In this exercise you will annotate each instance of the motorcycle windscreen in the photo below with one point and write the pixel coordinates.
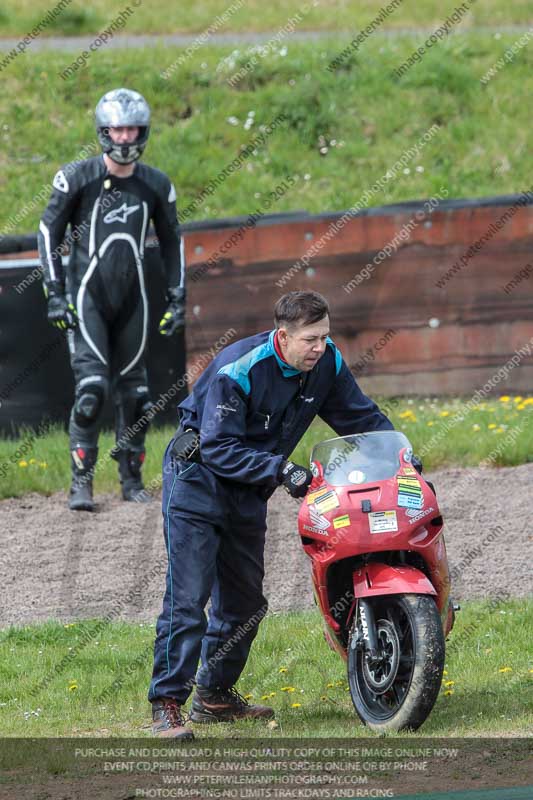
(363, 457)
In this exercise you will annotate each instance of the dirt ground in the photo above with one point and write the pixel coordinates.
(59, 564)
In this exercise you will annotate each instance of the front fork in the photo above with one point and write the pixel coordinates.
(369, 639)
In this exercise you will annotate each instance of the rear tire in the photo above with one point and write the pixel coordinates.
(398, 691)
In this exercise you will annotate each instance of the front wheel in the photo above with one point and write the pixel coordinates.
(397, 690)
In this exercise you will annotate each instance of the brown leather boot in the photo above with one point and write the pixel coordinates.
(224, 705)
(167, 719)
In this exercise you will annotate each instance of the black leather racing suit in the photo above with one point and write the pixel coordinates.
(105, 280)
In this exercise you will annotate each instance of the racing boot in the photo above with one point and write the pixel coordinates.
(129, 466)
(167, 720)
(224, 705)
(83, 461)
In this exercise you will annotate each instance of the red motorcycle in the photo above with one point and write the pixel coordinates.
(373, 530)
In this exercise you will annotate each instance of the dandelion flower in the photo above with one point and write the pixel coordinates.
(491, 426)
(283, 669)
(248, 696)
(504, 398)
(449, 683)
(23, 463)
(72, 686)
(505, 669)
(287, 689)
(296, 705)
(330, 686)
(448, 692)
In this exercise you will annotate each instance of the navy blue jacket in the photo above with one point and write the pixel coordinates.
(252, 409)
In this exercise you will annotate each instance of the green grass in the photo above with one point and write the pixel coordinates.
(19, 16)
(495, 433)
(45, 468)
(368, 118)
(498, 431)
(482, 699)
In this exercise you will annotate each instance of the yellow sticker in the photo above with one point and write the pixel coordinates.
(314, 495)
(341, 522)
(408, 471)
(327, 504)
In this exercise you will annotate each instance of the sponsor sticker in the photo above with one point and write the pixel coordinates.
(327, 502)
(341, 522)
(408, 482)
(382, 521)
(407, 501)
(311, 497)
(409, 492)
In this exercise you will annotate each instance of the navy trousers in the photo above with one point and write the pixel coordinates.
(215, 538)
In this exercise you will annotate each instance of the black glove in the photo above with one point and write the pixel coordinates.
(174, 317)
(61, 313)
(417, 463)
(295, 479)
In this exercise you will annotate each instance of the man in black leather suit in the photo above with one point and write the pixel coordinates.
(100, 297)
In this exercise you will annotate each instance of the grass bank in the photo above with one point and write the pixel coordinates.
(342, 129)
(20, 16)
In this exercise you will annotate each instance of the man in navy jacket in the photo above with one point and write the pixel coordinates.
(238, 427)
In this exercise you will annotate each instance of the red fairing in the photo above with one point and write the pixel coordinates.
(375, 579)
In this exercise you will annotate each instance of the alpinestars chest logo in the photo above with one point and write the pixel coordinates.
(120, 214)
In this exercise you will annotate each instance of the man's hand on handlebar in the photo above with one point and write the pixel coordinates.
(295, 478)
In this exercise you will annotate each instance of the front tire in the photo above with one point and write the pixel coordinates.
(398, 690)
